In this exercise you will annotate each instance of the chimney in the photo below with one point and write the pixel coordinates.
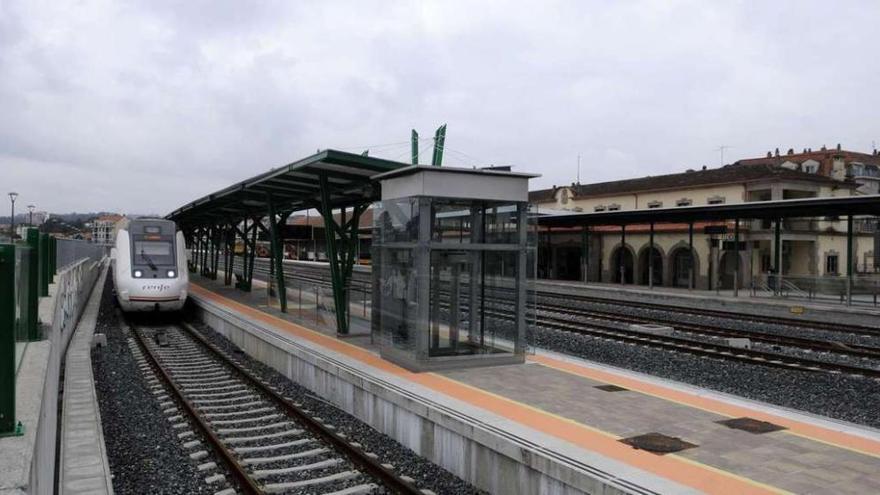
(769, 154)
(838, 146)
(777, 151)
(791, 151)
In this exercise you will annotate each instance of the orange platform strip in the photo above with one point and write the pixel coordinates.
(676, 468)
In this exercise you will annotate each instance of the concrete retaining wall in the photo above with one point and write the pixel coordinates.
(469, 442)
(27, 463)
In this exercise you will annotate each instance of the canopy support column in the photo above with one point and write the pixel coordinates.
(736, 257)
(777, 256)
(585, 253)
(692, 276)
(277, 252)
(849, 259)
(341, 255)
(621, 257)
(228, 253)
(651, 257)
(215, 243)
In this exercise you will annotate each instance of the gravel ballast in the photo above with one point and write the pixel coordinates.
(426, 474)
(143, 449)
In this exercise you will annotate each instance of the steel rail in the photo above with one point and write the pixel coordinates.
(247, 484)
(856, 350)
(361, 459)
(700, 348)
(775, 320)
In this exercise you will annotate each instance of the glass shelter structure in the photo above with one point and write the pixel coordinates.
(452, 262)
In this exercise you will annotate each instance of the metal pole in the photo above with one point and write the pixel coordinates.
(44, 265)
(12, 197)
(7, 339)
(53, 254)
(849, 261)
(736, 257)
(33, 298)
(651, 257)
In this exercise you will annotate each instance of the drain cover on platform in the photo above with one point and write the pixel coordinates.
(611, 388)
(658, 443)
(750, 425)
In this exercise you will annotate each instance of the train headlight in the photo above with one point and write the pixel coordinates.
(171, 274)
(138, 274)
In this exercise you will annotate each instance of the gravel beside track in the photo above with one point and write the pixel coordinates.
(426, 474)
(144, 452)
(744, 323)
(849, 398)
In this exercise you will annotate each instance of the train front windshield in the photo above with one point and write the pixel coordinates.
(153, 252)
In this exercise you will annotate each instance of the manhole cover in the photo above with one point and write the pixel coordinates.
(658, 443)
(611, 388)
(751, 425)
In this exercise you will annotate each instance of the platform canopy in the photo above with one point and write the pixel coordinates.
(326, 181)
(788, 208)
(292, 187)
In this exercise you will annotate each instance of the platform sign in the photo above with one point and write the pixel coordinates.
(796, 310)
(715, 229)
(296, 232)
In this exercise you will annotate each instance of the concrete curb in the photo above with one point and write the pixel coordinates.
(84, 467)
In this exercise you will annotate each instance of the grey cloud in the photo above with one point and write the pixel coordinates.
(174, 100)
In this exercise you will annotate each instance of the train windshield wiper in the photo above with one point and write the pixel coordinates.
(148, 259)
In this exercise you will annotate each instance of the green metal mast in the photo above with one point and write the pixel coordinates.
(439, 142)
(415, 147)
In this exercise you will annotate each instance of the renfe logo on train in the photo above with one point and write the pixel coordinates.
(157, 287)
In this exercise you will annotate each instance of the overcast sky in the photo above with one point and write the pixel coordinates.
(144, 106)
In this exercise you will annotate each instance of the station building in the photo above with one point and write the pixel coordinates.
(813, 249)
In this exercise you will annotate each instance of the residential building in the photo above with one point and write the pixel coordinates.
(104, 228)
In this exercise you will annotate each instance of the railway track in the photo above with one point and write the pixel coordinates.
(699, 348)
(314, 275)
(610, 330)
(267, 443)
(854, 350)
(772, 320)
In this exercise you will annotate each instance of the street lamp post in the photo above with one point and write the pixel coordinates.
(31, 215)
(12, 197)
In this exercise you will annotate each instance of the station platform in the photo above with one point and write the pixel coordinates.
(555, 424)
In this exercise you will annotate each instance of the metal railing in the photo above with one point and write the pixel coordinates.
(863, 288)
(70, 251)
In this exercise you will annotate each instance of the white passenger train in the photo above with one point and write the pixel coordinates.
(149, 266)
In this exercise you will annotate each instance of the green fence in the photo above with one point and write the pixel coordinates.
(26, 269)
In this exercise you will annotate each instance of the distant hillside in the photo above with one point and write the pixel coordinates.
(72, 217)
